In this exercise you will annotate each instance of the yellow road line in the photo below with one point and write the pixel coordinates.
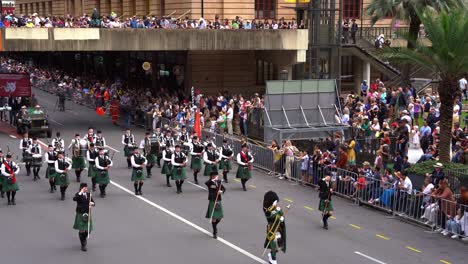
(237, 180)
(332, 217)
(253, 186)
(355, 226)
(445, 262)
(309, 208)
(382, 237)
(289, 200)
(413, 249)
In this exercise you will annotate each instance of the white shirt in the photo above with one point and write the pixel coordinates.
(173, 159)
(239, 159)
(59, 170)
(205, 157)
(463, 83)
(456, 109)
(408, 185)
(5, 172)
(98, 166)
(230, 113)
(132, 160)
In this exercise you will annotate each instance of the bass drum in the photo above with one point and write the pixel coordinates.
(83, 147)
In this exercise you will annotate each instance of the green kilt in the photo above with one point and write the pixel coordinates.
(178, 173)
(151, 158)
(243, 172)
(8, 187)
(167, 168)
(128, 151)
(196, 163)
(138, 176)
(325, 206)
(50, 172)
(61, 179)
(82, 224)
(218, 211)
(275, 243)
(225, 165)
(209, 168)
(92, 171)
(78, 162)
(26, 157)
(102, 177)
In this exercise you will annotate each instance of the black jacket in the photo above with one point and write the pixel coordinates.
(324, 190)
(213, 189)
(82, 203)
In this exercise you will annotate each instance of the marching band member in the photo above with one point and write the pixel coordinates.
(100, 141)
(84, 201)
(325, 205)
(211, 158)
(90, 137)
(2, 159)
(276, 227)
(178, 162)
(78, 161)
(128, 140)
(183, 135)
(196, 160)
(215, 209)
(147, 144)
(36, 153)
(103, 164)
(25, 142)
(157, 135)
(167, 166)
(168, 140)
(226, 156)
(62, 167)
(50, 157)
(245, 160)
(58, 143)
(9, 170)
(91, 155)
(138, 161)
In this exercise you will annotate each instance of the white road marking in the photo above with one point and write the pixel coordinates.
(187, 222)
(109, 147)
(369, 257)
(56, 122)
(196, 185)
(12, 136)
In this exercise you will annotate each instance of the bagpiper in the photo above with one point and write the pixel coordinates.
(58, 143)
(148, 144)
(100, 140)
(276, 227)
(2, 159)
(128, 140)
(226, 156)
(244, 160)
(215, 209)
(196, 161)
(325, 205)
(183, 135)
(91, 155)
(158, 137)
(103, 164)
(83, 221)
(167, 166)
(211, 159)
(36, 161)
(90, 137)
(178, 162)
(78, 160)
(50, 157)
(62, 167)
(25, 143)
(9, 170)
(168, 140)
(138, 162)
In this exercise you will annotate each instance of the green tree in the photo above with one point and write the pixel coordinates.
(447, 56)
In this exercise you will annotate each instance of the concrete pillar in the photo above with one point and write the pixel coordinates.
(366, 71)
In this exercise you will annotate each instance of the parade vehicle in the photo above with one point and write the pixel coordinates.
(34, 123)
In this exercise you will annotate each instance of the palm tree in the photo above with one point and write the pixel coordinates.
(447, 56)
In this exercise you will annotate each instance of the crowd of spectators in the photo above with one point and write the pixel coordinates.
(95, 20)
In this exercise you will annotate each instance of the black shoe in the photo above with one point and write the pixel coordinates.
(62, 197)
(226, 181)
(38, 177)
(196, 182)
(83, 248)
(78, 179)
(149, 176)
(13, 202)
(2, 195)
(215, 236)
(243, 188)
(140, 192)
(51, 190)
(137, 193)
(9, 203)
(35, 178)
(325, 227)
(102, 195)
(178, 191)
(55, 187)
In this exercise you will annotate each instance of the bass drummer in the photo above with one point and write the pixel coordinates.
(78, 147)
(36, 153)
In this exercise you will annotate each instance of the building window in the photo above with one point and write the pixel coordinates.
(351, 8)
(265, 8)
(265, 71)
(347, 69)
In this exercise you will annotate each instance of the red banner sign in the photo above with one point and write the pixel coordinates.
(15, 85)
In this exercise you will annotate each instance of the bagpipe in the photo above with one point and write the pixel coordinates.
(11, 170)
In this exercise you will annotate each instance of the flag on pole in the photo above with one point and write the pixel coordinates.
(197, 125)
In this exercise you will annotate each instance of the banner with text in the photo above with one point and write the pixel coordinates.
(15, 85)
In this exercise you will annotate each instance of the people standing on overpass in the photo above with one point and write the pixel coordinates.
(244, 170)
(83, 221)
(9, 170)
(215, 209)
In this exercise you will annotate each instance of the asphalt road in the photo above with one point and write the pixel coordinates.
(164, 227)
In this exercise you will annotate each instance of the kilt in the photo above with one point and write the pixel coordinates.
(137, 176)
(178, 173)
(325, 206)
(78, 162)
(102, 177)
(26, 157)
(151, 158)
(243, 172)
(210, 168)
(50, 172)
(8, 187)
(128, 151)
(277, 243)
(196, 163)
(92, 171)
(61, 179)
(167, 168)
(218, 211)
(82, 225)
(225, 165)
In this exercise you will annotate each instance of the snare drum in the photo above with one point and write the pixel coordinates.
(37, 160)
